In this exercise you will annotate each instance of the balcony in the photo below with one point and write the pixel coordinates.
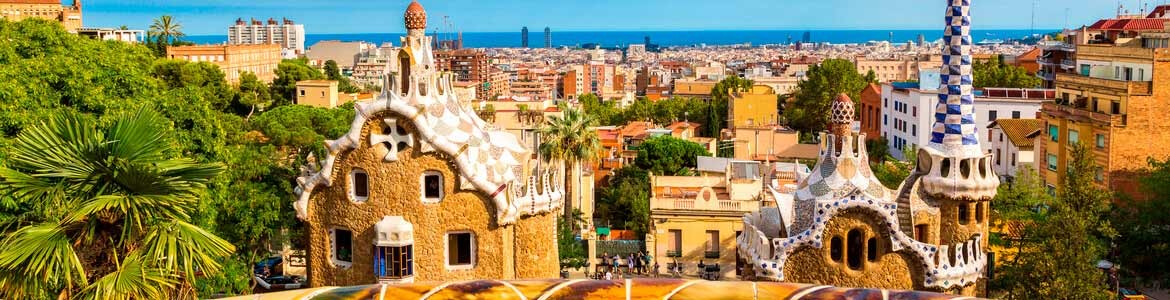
(673, 253)
(1118, 87)
(693, 204)
(1112, 53)
(1082, 114)
(711, 254)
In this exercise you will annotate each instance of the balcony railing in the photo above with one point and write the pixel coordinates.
(710, 254)
(690, 203)
(673, 253)
(1117, 86)
(1083, 114)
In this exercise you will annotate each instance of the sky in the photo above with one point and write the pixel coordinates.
(212, 17)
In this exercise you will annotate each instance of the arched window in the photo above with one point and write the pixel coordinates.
(979, 212)
(871, 251)
(855, 249)
(964, 213)
(359, 185)
(404, 71)
(835, 248)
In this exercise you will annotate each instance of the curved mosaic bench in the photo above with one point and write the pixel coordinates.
(597, 289)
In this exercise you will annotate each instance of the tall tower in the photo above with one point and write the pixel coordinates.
(956, 173)
(547, 37)
(524, 37)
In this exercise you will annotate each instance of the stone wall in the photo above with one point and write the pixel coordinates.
(891, 270)
(395, 191)
(536, 247)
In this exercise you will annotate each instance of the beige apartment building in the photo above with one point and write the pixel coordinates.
(317, 93)
(233, 59)
(698, 218)
(898, 69)
(52, 10)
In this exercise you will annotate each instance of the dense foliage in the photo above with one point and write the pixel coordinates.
(624, 201)
(996, 74)
(665, 155)
(1059, 240)
(1145, 249)
(813, 99)
(106, 212)
(46, 73)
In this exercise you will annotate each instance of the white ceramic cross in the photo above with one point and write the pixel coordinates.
(396, 135)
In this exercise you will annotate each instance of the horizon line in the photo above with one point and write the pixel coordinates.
(1038, 30)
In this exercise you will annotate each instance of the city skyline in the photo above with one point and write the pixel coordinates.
(213, 17)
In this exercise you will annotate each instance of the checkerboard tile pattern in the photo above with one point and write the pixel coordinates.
(954, 116)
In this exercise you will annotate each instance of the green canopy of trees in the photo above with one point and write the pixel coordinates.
(46, 73)
(1061, 239)
(813, 99)
(288, 72)
(996, 74)
(665, 155)
(1145, 248)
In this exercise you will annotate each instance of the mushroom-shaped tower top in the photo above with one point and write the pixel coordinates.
(416, 16)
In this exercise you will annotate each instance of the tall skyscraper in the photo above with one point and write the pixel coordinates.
(807, 37)
(547, 37)
(524, 37)
(921, 40)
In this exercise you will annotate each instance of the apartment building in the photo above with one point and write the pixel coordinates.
(286, 33)
(233, 59)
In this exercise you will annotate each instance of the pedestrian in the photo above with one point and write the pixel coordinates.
(608, 275)
(605, 261)
(630, 263)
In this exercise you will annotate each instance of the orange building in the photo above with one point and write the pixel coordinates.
(1116, 104)
(233, 59)
(870, 112)
(68, 15)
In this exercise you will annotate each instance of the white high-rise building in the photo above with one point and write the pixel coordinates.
(290, 36)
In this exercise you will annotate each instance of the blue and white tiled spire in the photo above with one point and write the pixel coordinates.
(954, 130)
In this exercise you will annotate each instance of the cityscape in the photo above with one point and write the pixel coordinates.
(321, 156)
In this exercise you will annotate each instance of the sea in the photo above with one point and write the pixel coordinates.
(666, 38)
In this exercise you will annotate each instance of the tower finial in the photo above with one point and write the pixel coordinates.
(415, 16)
(954, 129)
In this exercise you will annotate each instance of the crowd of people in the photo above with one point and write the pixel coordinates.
(611, 266)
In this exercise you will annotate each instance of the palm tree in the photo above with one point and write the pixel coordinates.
(109, 211)
(166, 30)
(572, 140)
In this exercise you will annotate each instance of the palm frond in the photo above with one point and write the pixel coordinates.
(184, 248)
(134, 279)
(139, 137)
(37, 259)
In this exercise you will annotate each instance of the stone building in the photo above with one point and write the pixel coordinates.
(420, 189)
(261, 60)
(697, 218)
(68, 15)
(1114, 103)
(842, 227)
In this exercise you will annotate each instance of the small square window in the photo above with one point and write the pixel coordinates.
(342, 246)
(1073, 137)
(1100, 141)
(432, 187)
(359, 185)
(992, 115)
(302, 92)
(460, 250)
(1099, 175)
(1015, 114)
(1052, 162)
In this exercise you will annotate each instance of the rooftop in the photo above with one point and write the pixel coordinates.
(1018, 130)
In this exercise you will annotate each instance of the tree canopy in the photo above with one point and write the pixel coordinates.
(665, 155)
(809, 112)
(996, 74)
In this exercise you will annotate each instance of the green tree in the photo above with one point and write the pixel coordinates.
(878, 149)
(113, 207)
(604, 111)
(996, 74)
(572, 253)
(288, 73)
(810, 111)
(1057, 260)
(624, 202)
(165, 31)
(1144, 230)
(333, 72)
(571, 139)
(253, 94)
(892, 173)
(665, 155)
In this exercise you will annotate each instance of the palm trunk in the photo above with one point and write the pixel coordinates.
(565, 165)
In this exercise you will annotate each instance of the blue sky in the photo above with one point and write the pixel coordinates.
(353, 16)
